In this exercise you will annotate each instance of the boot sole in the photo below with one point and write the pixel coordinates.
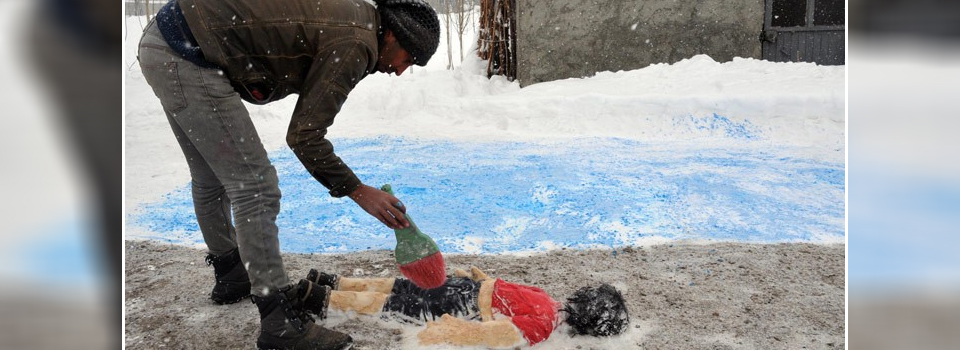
(223, 301)
(260, 347)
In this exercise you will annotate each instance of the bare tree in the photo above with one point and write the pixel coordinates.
(463, 19)
(149, 7)
(446, 21)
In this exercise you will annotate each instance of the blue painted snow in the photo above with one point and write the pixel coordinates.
(718, 124)
(64, 252)
(494, 197)
(903, 228)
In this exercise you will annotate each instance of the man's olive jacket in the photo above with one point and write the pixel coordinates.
(319, 49)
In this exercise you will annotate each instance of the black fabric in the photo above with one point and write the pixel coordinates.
(174, 29)
(457, 297)
(415, 24)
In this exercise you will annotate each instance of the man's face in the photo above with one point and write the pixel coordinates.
(393, 58)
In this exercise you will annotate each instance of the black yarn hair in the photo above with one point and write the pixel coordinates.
(597, 311)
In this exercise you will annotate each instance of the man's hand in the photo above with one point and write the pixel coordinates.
(381, 205)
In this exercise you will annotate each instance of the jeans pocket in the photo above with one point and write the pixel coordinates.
(165, 80)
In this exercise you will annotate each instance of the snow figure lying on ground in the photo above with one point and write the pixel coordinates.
(470, 308)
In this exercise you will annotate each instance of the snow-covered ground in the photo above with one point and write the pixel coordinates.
(746, 150)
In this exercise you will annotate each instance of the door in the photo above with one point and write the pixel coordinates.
(804, 31)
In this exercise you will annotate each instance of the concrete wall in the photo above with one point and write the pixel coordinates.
(559, 39)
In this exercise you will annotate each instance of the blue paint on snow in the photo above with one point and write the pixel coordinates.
(903, 229)
(720, 126)
(507, 197)
(62, 253)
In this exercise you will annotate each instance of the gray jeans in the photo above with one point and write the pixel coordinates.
(229, 167)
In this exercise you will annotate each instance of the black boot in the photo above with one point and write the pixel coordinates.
(314, 297)
(285, 326)
(233, 283)
(322, 278)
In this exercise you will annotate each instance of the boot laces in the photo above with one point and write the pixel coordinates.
(293, 308)
(300, 313)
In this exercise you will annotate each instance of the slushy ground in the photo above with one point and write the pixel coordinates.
(683, 295)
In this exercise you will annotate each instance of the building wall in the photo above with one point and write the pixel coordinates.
(558, 39)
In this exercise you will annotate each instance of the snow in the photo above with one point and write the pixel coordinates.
(902, 216)
(746, 150)
(46, 243)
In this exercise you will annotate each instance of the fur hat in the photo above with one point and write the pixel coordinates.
(414, 23)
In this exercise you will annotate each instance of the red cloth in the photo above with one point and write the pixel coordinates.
(531, 309)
